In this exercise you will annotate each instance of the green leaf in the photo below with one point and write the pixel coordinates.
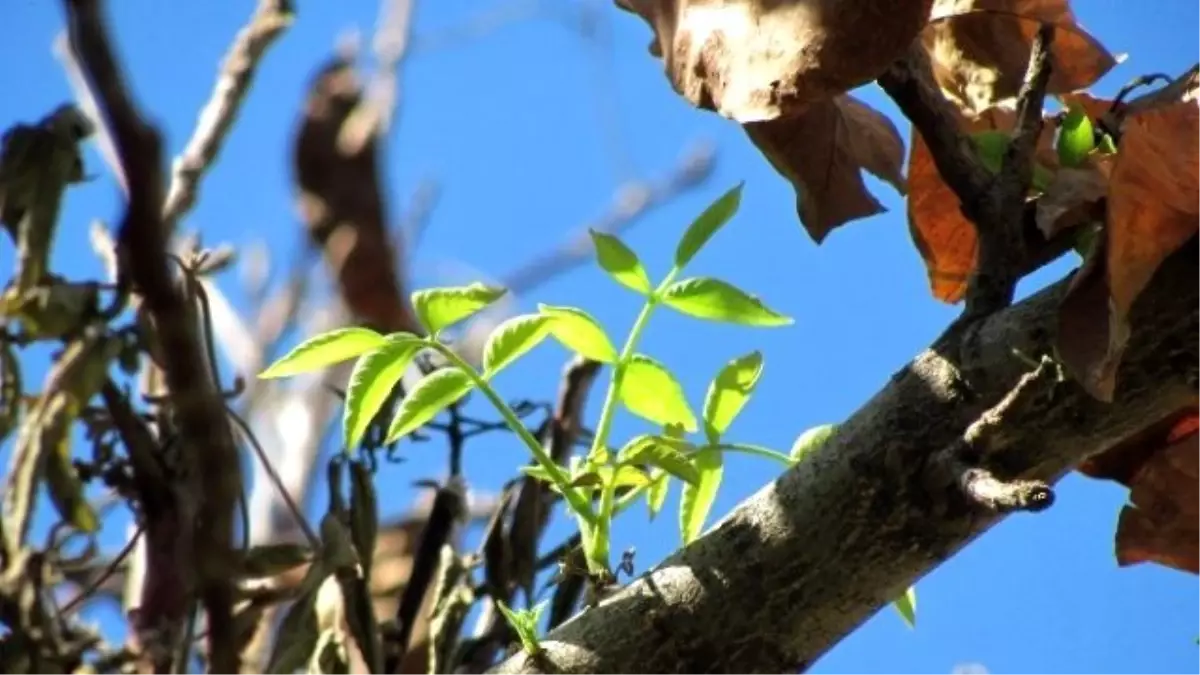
(67, 490)
(707, 224)
(668, 454)
(325, 350)
(441, 307)
(268, 560)
(698, 497)
(991, 145)
(656, 496)
(371, 382)
(810, 440)
(650, 391)
(579, 332)
(715, 300)
(728, 392)
(1076, 137)
(625, 476)
(524, 623)
(620, 262)
(512, 338)
(298, 632)
(907, 606)
(431, 395)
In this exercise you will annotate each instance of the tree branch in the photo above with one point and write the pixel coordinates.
(209, 457)
(757, 593)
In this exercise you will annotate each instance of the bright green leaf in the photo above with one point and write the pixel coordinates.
(668, 454)
(810, 440)
(579, 332)
(713, 299)
(1107, 145)
(1076, 137)
(432, 394)
(650, 391)
(707, 224)
(656, 495)
(625, 476)
(441, 307)
(512, 338)
(991, 145)
(325, 350)
(907, 606)
(698, 497)
(524, 624)
(728, 392)
(372, 380)
(620, 262)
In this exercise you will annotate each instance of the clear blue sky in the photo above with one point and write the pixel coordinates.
(512, 125)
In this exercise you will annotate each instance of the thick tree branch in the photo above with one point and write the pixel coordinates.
(800, 565)
(209, 459)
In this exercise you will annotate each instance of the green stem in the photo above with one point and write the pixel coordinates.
(758, 451)
(573, 496)
(632, 496)
(598, 561)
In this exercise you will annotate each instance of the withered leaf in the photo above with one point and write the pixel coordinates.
(1152, 211)
(342, 201)
(980, 49)
(1161, 525)
(755, 60)
(1074, 197)
(822, 152)
(1153, 195)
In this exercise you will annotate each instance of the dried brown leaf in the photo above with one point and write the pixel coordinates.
(1152, 211)
(980, 49)
(1074, 197)
(823, 151)
(1162, 523)
(342, 204)
(756, 60)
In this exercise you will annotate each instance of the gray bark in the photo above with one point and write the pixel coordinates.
(810, 557)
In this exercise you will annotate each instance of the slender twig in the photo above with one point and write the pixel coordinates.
(109, 570)
(985, 439)
(217, 118)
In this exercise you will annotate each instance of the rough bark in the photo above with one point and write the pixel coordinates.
(809, 558)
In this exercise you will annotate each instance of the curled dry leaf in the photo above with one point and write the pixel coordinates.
(341, 200)
(942, 234)
(822, 152)
(1152, 211)
(1160, 466)
(756, 60)
(980, 49)
(1074, 197)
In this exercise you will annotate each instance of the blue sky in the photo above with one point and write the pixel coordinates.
(529, 130)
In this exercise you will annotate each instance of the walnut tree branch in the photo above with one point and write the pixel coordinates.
(209, 457)
(798, 566)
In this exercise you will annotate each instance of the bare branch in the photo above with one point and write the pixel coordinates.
(209, 456)
(217, 118)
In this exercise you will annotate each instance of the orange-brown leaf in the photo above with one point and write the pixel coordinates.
(1152, 211)
(1090, 341)
(823, 151)
(980, 49)
(942, 234)
(756, 60)
(1153, 196)
(1074, 197)
(1162, 523)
